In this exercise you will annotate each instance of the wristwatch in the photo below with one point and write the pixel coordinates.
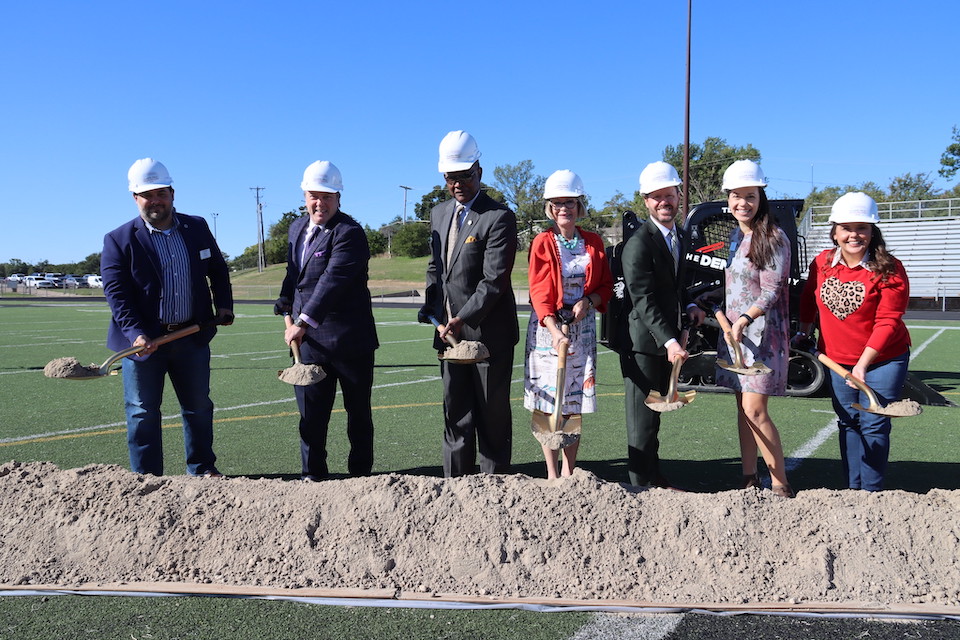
(300, 322)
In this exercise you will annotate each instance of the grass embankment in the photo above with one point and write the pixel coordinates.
(387, 275)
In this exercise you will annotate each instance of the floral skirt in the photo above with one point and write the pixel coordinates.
(540, 368)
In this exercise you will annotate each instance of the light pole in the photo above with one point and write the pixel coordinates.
(215, 215)
(405, 190)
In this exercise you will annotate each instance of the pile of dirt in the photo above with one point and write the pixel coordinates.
(504, 536)
(70, 368)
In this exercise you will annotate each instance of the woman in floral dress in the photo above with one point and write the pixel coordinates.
(757, 306)
(569, 275)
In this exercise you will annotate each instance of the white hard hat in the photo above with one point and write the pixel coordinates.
(458, 152)
(323, 176)
(147, 174)
(658, 175)
(743, 173)
(563, 184)
(855, 206)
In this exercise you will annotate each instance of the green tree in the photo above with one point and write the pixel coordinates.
(377, 240)
(523, 189)
(429, 200)
(275, 246)
(911, 187)
(90, 264)
(708, 161)
(950, 160)
(411, 240)
(248, 259)
(823, 196)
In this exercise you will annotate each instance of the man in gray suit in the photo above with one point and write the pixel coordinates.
(473, 242)
(655, 299)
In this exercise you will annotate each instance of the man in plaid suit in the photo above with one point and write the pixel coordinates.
(325, 289)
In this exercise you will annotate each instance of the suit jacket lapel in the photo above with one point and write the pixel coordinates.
(445, 223)
(142, 235)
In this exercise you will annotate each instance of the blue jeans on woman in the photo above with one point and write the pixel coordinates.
(865, 436)
(187, 362)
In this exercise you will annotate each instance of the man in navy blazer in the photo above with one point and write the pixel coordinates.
(473, 242)
(656, 300)
(325, 289)
(156, 269)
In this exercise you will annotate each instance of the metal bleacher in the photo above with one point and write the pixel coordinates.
(923, 234)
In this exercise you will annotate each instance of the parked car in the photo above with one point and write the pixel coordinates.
(93, 280)
(75, 282)
(38, 282)
(16, 277)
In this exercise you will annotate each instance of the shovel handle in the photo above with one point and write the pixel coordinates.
(132, 351)
(840, 371)
(294, 346)
(449, 338)
(728, 336)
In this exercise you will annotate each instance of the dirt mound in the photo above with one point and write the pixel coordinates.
(503, 536)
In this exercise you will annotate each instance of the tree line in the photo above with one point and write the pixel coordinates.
(521, 187)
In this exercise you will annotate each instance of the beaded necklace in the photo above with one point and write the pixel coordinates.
(571, 244)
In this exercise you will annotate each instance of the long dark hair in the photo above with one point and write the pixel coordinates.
(879, 260)
(766, 235)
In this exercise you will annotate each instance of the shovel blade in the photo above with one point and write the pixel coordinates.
(567, 434)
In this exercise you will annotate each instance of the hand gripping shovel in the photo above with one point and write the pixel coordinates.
(898, 409)
(71, 369)
(299, 374)
(462, 351)
(556, 431)
(755, 369)
(674, 399)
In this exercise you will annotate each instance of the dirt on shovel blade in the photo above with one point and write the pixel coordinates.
(466, 350)
(302, 375)
(70, 368)
(902, 408)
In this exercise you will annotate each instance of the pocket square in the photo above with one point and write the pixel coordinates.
(470, 239)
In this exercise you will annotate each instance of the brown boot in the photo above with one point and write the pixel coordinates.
(751, 481)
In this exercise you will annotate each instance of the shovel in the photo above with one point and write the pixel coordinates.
(755, 369)
(71, 369)
(554, 430)
(674, 399)
(898, 409)
(300, 374)
(462, 351)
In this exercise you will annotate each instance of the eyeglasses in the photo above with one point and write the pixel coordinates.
(466, 176)
(569, 205)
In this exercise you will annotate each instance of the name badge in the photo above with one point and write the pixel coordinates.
(204, 254)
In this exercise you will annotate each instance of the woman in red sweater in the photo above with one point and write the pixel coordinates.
(570, 278)
(859, 292)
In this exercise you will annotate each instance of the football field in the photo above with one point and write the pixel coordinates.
(76, 423)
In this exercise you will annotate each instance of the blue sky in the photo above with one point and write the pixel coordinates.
(236, 95)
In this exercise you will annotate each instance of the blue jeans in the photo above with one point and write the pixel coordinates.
(187, 362)
(864, 436)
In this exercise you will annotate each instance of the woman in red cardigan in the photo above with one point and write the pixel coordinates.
(569, 278)
(859, 293)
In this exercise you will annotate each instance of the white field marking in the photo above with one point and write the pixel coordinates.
(395, 371)
(810, 446)
(265, 403)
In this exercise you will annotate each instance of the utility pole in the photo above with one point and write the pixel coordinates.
(261, 256)
(215, 215)
(686, 122)
(405, 190)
